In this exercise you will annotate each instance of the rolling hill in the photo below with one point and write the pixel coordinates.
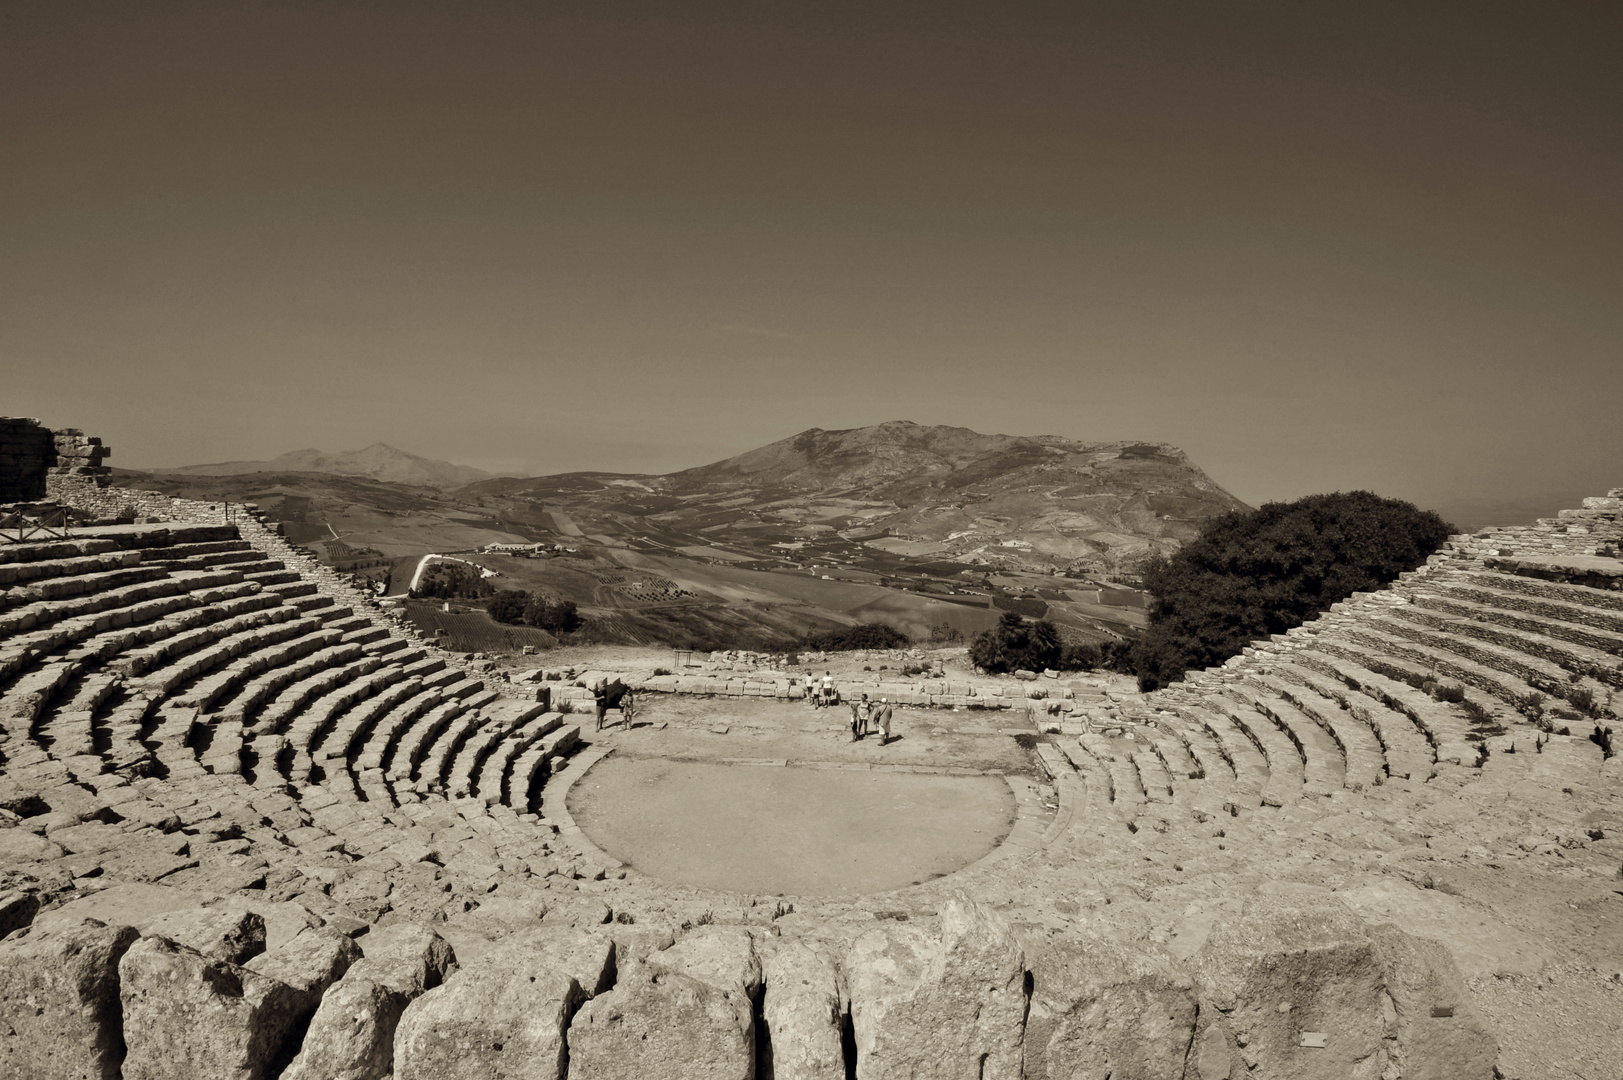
(933, 530)
(1019, 502)
(379, 461)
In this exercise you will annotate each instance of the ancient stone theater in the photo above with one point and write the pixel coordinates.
(252, 824)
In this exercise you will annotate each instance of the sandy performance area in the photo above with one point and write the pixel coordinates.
(788, 830)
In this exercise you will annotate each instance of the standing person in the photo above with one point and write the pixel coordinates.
(600, 700)
(855, 722)
(828, 688)
(864, 714)
(883, 721)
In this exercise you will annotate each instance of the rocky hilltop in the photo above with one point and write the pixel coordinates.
(379, 461)
(925, 491)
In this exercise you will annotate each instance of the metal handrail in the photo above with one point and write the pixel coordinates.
(19, 528)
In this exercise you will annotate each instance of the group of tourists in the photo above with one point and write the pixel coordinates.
(821, 691)
(868, 717)
(615, 695)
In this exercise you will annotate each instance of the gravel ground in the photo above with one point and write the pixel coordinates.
(1565, 1022)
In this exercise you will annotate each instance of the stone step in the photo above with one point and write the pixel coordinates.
(280, 713)
(62, 588)
(1281, 756)
(343, 745)
(1561, 622)
(304, 637)
(430, 774)
(413, 744)
(1323, 768)
(16, 574)
(501, 718)
(1363, 763)
(494, 777)
(1571, 657)
(1407, 752)
(267, 685)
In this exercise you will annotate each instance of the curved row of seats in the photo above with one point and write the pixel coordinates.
(159, 675)
(1404, 685)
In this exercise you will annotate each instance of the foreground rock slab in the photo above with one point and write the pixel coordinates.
(1100, 1008)
(351, 1036)
(59, 1002)
(188, 1016)
(723, 956)
(1439, 1035)
(801, 1010)
(586, 955)
(490, 1026)
(952, 1005)
(661, 1025)
(1300, 992)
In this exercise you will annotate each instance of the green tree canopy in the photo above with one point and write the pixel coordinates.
(507, 606)
(558, 616)
(861, 636)
(1251, 574)
(1014, 644)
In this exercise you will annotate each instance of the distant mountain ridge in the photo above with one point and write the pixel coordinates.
(380, 461)
(1042, 500)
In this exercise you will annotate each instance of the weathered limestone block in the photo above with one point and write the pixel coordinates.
(1439, 1035)
(16, 910)
(639, 941)
(948, 1005)
(59, 1004)
(351, 1035)
(186, 1015)
(577, 911)
(1280, 971)
(310, 963)
(410, 957)
(19, 846)
(800, 1009)
(493, 1025)
(657, 1024)
(233, 935)
(1100, 1008)
(586, 955)
(723, 956)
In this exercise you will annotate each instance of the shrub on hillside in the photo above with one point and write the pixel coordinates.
(1014, 644)
(446, 580)
(861, 636)
(557, 616)
(507, 606)
(1248, 575)
(1084, 656)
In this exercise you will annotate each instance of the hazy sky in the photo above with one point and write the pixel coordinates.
(1318, 246)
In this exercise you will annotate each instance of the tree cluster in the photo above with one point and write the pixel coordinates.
(445, 580)
(1017, 645)
(861, 636)
(1252, 574)
(516, 606)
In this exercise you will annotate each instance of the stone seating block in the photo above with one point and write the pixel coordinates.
(59, 1001)
(187, 1015)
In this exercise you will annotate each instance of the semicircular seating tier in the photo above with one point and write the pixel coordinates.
(211, 675)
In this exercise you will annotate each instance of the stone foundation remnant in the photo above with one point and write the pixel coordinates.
(37, 463)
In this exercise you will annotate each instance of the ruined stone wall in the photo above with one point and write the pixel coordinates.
(36, 463)
(26, 452)
(113, 502)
